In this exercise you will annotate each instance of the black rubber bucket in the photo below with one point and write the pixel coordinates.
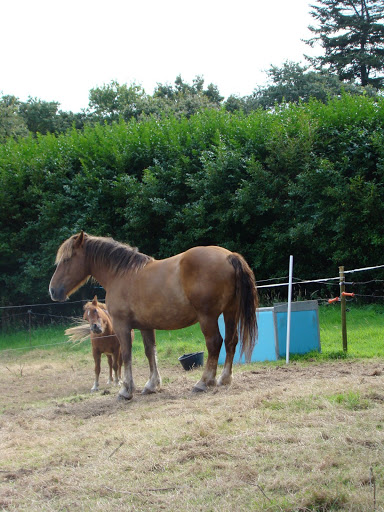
(190, 361)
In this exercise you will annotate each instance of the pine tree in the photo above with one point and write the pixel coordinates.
(352, 34)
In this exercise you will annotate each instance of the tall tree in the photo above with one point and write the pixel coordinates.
(292, 83)
(40, 116)
(113, 101)
(351, 32)
(12, 123)
(183, 89)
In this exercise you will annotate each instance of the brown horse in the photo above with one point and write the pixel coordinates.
(147, 294)
(98, 326)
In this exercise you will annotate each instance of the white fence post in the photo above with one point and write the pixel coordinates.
(289, 309)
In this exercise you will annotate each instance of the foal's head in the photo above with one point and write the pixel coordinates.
(96, 314)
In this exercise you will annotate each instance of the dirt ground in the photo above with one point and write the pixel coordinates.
(295, 437)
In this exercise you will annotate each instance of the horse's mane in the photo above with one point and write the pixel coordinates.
(118, 257)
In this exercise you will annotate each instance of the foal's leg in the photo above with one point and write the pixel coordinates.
(96, 356)
(109, 381)
(154, 381)
(115, 365)
(213, 340)
(231, 338)
(123, 333)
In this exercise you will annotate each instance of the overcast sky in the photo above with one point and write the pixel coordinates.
(58, 50)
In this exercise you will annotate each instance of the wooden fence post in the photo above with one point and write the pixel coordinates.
(343, 309)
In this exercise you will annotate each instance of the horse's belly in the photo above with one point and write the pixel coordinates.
(165, 319)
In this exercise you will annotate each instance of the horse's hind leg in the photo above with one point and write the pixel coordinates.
(154, 382)
(231, 338)
(213, 340)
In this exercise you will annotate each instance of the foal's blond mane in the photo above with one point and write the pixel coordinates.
(100, 305)
(118, 257)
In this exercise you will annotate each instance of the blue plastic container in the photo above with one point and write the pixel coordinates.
(272, 323)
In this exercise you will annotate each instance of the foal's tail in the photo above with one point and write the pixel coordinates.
(79, 333)
(247, 302)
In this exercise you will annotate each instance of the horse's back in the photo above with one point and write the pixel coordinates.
(206, 261)
(208, 277)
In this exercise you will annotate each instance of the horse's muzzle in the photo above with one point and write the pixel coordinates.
(57, 294)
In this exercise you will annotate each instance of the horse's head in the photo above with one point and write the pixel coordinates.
(72, 270)
(95, 314)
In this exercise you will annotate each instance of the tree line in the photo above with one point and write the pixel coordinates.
(304, 179)
(291, 83)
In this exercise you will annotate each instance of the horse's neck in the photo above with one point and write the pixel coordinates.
(101, 273)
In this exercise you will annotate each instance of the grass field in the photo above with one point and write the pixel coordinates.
(365, 326)
(303, 437)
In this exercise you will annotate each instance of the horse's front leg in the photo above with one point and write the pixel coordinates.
(123, 332)
(154, 381)
(115, 366)
(119, 365)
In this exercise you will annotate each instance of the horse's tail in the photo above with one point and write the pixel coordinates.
(79, 333)
(247, 302)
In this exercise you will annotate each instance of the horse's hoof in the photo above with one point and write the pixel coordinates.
(147, 391)
(224, 382)
(124, 394)
(121, 398)
(94, 390)
(199, 389)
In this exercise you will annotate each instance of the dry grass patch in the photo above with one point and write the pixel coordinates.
(296, 438)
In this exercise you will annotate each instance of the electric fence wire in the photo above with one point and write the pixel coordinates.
(297, 281)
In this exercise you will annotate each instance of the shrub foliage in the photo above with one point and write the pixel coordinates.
(303, 179)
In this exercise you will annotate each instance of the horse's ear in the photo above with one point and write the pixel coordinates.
(80, 239)
(94, 302)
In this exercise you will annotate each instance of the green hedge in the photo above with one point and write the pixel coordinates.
(304, 179)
